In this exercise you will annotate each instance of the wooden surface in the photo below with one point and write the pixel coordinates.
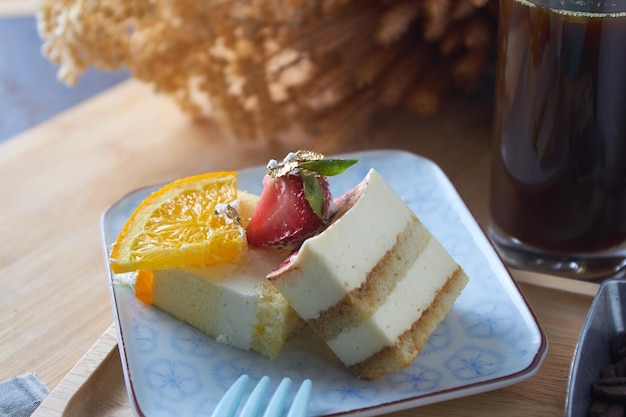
(59, 177)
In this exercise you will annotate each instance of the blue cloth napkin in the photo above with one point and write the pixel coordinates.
(20, 396)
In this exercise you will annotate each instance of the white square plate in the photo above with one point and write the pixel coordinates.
(490, 339)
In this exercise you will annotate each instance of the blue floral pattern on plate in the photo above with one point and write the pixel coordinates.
(489, 340)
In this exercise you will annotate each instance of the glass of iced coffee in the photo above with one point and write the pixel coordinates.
(558, 179)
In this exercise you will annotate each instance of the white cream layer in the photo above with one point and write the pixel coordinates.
(402, 307)
(335, 262)
(221, 301)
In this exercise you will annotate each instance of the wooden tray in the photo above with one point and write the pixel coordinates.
(95, 386)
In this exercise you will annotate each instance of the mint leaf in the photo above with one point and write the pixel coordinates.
(314, 194)
(328, 167)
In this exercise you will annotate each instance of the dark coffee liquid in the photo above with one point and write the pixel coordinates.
(559, 173)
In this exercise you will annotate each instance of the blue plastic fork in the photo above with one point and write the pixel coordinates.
(232, 398)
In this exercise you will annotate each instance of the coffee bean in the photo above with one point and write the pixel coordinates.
(608, 371)
(618, 347)
(604, 409)
(610, 389)
(614, 370)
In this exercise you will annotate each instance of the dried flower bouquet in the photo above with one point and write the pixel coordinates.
(262, 66)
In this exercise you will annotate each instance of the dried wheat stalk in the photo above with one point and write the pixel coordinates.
(262, 66)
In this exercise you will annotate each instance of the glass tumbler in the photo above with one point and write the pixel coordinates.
(558, 178)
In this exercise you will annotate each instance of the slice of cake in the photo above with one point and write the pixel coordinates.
(231, 302)
(374, 284)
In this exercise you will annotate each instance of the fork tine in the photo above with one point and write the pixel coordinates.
(255, 400)
(300, 403)
(231, 399)
(277, 402)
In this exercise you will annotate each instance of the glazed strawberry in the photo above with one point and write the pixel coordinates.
(296, 201)
(283, 215)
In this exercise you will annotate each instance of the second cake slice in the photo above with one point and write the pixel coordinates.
(374, 284)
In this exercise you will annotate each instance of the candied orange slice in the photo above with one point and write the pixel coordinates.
(176, 227)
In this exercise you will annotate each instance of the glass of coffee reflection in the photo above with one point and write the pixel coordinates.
(558, 179)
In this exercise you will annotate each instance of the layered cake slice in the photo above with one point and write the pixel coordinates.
(231, 302)
(374, 284)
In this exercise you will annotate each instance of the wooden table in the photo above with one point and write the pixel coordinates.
(59, 177)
